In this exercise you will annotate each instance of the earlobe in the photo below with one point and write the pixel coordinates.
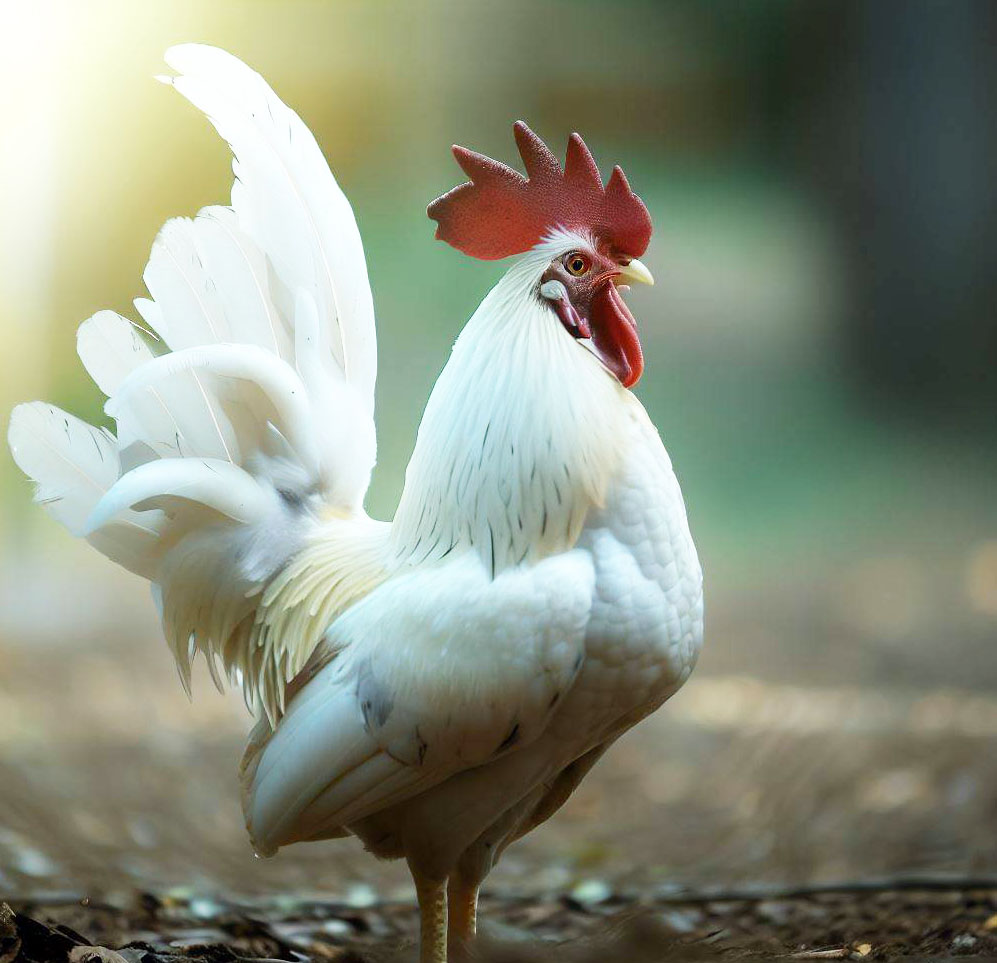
(556, 293)
(553, 290)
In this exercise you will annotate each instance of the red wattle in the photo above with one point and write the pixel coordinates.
(614, 334)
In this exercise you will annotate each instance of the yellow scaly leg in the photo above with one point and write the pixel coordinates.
(463, 899)
(432, 895)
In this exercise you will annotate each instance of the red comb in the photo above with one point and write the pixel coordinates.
(499, 212)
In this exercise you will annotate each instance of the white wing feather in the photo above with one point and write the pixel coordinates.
(436, 671)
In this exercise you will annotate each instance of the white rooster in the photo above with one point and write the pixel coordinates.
(437, 685)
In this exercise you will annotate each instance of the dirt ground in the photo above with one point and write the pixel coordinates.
(817, 745)
(818, 924)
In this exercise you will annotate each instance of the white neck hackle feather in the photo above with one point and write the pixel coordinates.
(520, 436)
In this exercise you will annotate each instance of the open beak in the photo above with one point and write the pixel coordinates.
(635, 273)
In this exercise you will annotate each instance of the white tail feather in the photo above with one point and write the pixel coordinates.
(229, 445)
(111, 348)
(238, 269)
(202, 481)
(177, 279)
(74, 465)
(243, 362)
(288, 201)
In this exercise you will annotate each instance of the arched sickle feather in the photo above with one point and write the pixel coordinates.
(499, 212)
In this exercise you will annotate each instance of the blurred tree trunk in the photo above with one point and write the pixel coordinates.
(904, 144)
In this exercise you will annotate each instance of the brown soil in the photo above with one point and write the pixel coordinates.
(934, 920)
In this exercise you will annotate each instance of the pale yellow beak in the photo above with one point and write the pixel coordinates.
(636, 273)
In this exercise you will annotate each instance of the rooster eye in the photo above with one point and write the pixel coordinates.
(576, 263)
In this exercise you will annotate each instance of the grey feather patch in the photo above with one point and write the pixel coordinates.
(267, 545)
(294, 500)
(376, 702)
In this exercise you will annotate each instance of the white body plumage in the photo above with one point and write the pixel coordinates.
(544, 596)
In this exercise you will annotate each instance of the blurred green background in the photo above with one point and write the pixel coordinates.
(821, 351)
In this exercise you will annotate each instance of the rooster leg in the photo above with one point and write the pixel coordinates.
(432, 895)
(463, 899)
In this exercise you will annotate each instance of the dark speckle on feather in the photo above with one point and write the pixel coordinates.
(422, 746)
(484, 445)
(432, 548)
(510, 740)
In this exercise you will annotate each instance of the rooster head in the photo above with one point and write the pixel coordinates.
(593, 234)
